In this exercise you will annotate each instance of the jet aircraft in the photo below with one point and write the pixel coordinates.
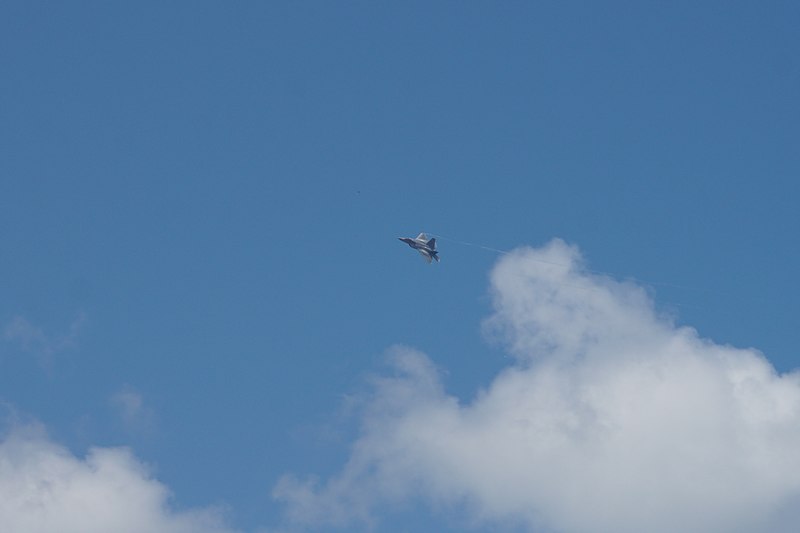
(426, 247)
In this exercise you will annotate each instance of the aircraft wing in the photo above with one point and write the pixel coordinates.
(422, 237)
(425, 256)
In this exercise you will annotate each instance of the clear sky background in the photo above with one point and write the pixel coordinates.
(200, 204)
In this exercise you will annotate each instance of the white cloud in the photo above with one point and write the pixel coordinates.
(44, 488)
(611, 419)
(135, 415)
(32, 339)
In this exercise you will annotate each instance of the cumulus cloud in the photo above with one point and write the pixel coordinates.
(610, 419)
(45, 488)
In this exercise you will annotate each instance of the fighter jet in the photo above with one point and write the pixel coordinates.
(426, 247)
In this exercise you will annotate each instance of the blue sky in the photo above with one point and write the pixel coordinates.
(200, 201)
